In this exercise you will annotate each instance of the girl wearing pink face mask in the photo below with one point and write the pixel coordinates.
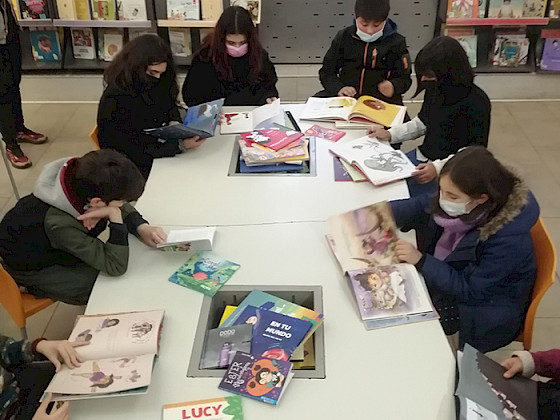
(231, 64)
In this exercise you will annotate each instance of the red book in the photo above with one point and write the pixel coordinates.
(274, 139)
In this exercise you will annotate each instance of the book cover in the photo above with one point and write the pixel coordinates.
(45, 45)
(201, 239)
(506, 9)
(325, 133)
(83, 45)
(183, 9)
(340, 173)
(211, 10)
(272, 168)
(513, 51)
(483, 390)
(468, 42)
(82, 9)
(364, 237)
(228, 310)
(103, 9)
(255, 155)
(222, 343)
(112, 45)
(551, 55)
(226, 408)
(534, 8)
(15, 5)
(180, 42)
(275, 336)
(257, 378)
(34, 9)
(388, 291)
(205, 273)
(482, 4)
(272, 138)
(66, 9)
(462, 9)
(252, 6)
(354, 173)
(554, 11)
(132, 10)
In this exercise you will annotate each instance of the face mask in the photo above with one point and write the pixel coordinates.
(367, 37)
(151, 81)
(237, 51)
(454, 209)
(429, 84)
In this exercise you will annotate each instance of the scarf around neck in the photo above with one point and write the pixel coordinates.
(454, 229)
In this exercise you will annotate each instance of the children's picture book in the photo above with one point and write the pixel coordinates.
(119, 357)
(379, 162)
(260, 299)
(258, 378)
(484, 393)
(389, 291)
(554, 11)
(201, 120)
(183, 9)
(225, 408)
(82, 9)
(205, 273)
(482, 5)
(66, 9)
(551, 55)
(271, 138)
(355, 174)
(462, 9)
(201, 239)
(510, 50)
(34, 9)
(365, 109)
(340, 172)
(45, 45)
(103, 9)
(506, 9)
(364, 237)
(112, 44)
(83, 46)
(132, 10)
(180, 42)
(228, 310)
(468, 42)
(256, 155)
(296, 166)
(534, 8)
(252, 6)
(325, 133)
(244, 121)
(222, 343)
(275, 336)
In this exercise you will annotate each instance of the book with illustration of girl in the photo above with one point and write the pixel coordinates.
(118, 359)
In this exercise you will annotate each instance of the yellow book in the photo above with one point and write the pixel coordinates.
(227, 312)
(82, 9)
(66, 9)
(16, 8)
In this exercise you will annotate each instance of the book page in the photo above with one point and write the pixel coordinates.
(204, 117)
(104, 376)
(267, 112)
(328, 108)
(124, 334)
(189, 235)
(375, 110)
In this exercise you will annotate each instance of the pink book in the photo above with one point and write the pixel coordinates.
(325, 133)
(271, 138)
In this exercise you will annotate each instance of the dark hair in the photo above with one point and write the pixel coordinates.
(108, 175)
(127, 71)
(376, 10)
(444, 58)
(234, 20)
(475, 171)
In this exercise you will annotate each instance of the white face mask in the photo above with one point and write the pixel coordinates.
(454, 209)
(367, 37)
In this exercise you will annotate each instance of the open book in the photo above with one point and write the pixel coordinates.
(201, 120)
(119, 358)
(182, 240)
(365, 109)
(378, 161)
(244, 121)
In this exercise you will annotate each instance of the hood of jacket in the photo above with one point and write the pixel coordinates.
(48, 187)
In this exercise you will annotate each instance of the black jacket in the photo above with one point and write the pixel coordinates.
(10, 55)
(455, 117)
(203, 83)
(363, 65)
(122, 116)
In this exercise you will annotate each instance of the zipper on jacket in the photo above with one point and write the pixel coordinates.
(373, 58)
(363, 69)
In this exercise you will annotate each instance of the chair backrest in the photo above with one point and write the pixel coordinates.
(94, 138)
(10, 298)
(545, 254)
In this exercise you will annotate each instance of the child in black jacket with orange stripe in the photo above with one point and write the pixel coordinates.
(368, 58)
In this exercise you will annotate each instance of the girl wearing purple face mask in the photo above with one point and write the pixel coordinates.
(231, 64)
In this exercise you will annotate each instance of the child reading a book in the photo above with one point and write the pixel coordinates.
(231, 64)
(542, 363)
(48, 241)
(141, 93)
(474, 247)
(22, 381)
(455, 112)
(368, 58)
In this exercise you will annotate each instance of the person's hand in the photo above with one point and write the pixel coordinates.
(347, 91)
(406, 252)
(270, 100)
(379, 132)
(513, 366)
(60, 413)
(151, 235)
(61, 351)
(174, 123)
(222, 117)
(192, 142)
(386, 88)
(95, 214)
(424, 173)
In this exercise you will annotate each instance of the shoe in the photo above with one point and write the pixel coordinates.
(18, 159)
(29, 136)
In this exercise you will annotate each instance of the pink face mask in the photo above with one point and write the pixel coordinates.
(237, 51)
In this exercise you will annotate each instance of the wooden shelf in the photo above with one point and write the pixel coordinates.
(489, 68)
(31, 23)
(102, 23)
(496, 22)
(168, 23)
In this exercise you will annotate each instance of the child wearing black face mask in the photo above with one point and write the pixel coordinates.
(141, 92)
(231, 64)
(455, 112)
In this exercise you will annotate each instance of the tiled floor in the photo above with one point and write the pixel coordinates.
(522, 134)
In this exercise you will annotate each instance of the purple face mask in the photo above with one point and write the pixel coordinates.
(237, 51)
